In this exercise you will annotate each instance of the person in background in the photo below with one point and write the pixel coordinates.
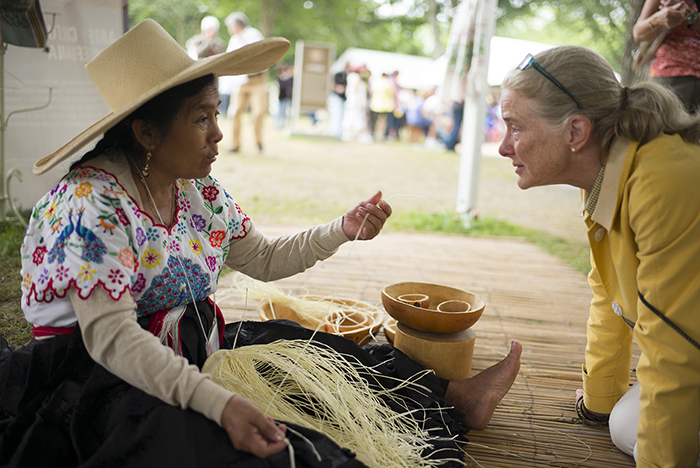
(382, 103)
(417, 117)
(285, 81)
(403, 101)
(635, 154)
(677, 62)
(451, 140)
(336, 101)
(248, 90)
(355, 115)
(396, 118)
(493, 126)
(208, 43)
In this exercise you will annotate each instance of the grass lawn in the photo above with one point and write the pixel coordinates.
(13, 327)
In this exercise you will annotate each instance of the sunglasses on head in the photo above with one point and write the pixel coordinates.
(530, 61)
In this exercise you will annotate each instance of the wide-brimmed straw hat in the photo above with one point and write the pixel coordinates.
(147, 61)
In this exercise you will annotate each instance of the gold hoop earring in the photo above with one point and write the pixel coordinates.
(144, 171)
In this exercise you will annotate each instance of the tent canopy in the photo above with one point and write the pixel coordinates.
(425, 73)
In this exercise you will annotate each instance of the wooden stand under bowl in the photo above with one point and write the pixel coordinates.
(448, 354)
(439, 338)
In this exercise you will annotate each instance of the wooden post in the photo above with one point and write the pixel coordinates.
(448, 354)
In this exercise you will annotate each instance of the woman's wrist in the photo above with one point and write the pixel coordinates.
(590, 417)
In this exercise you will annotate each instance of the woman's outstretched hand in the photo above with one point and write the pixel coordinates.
(375, 210)
(250, 430)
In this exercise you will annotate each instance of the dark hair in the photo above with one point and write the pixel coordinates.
(159, 112)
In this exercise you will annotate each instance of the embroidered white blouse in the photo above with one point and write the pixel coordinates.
(89, 231)
(89, 243)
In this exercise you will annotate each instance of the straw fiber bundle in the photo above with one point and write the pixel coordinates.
(312, 385)
(317, 313)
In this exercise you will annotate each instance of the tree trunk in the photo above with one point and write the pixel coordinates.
(628, 76)
(268, 15)
(432, 18)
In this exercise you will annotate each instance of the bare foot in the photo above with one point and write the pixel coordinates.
(478, 396)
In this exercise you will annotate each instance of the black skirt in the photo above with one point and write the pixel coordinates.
(58, 408)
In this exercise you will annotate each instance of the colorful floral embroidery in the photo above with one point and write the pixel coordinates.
(107, 225)
(210, 193)
(184, 205)
(83, 190)
(38, 255)
(151, 258)
(85, 273)
(198, 222)
(89, 233)
(139, 284)
(126, 256)
(152, 234)
(122, 216)
(56, 224)
(196, 246)
(27, 281)
(83, 173)
(50, 211)
(62, 273)
(140, 236)
(216, 237)
(115, 276)
(44, 276)
(174, 245)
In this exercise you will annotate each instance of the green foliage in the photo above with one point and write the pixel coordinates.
(342, 23)
(180, 18)
(402, 26)
(599, 25)
(13, 327)
(574, 254)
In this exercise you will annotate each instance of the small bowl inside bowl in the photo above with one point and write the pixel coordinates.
(418, 300)
(454, 305)
(431, 319)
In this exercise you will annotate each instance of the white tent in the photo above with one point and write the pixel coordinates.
(507, 53)
(425, 73)
(414, 72)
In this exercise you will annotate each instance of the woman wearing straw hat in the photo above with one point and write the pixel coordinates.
(132, 241)
(634, 154)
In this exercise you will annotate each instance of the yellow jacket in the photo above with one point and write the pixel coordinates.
(644, 235)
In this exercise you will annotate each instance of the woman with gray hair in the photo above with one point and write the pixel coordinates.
(633, 152)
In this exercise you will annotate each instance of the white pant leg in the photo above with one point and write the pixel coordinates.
(624, 419)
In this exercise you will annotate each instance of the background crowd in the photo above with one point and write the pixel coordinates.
(361, 107)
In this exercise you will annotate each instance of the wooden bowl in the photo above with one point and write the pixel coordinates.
(359, 326)
(431, 319)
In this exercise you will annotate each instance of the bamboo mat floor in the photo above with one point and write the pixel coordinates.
(530, 296)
